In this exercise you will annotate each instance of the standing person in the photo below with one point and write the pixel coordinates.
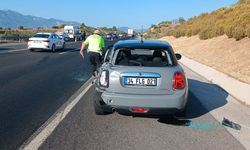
(95, 45)
(83, 35)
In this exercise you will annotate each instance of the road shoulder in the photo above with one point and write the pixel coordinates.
(234, 110)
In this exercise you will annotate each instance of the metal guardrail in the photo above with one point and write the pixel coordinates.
(13, 38)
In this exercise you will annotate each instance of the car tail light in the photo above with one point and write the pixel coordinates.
(46, 41)
(178, 81)
(139, 110)
(104, 79)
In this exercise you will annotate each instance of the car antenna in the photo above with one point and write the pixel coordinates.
(142, 34)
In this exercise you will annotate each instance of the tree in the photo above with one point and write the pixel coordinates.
(82, 26)
(114, 28)
(39, 28)
(54, 27)
(62, 25)
(153, 26)
(8, 29)
(165, 23)
(181, 20)
(20, 27)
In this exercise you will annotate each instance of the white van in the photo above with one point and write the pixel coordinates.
(71, 31)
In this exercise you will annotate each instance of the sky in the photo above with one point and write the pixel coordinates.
(119, 13)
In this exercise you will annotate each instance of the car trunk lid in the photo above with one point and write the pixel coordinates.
(141, 80)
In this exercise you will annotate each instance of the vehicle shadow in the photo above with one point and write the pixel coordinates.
(4, 48)
(57, 51)
(207, 97)
(204, 97)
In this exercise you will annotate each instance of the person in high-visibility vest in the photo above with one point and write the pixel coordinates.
(95, 45)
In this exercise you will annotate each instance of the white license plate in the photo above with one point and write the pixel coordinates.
(37, 41)
(140, 81)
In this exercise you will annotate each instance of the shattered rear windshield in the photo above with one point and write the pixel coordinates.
(143, 57)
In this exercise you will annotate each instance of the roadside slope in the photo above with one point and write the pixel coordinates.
(221, 53)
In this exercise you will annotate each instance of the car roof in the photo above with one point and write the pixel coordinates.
(141, 44)
(44, 33)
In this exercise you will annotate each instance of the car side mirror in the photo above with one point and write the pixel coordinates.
(178, 56)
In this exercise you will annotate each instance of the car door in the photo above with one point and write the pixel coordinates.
(57, 41)
(52, 40)
(108, 54)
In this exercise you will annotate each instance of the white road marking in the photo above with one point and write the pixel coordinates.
(11, 51)
(69, 51)
(38, 138)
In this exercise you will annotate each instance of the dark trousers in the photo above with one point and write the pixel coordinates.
(95, 61)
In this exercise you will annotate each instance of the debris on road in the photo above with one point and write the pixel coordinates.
(205, 126)
(231, 124)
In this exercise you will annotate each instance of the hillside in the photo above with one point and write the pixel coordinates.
(221, 53)
(12, 19)
(233, 21)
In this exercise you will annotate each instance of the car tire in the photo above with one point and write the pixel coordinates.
(32, 50)
(97, 104)
(63, 46)
(53, 48)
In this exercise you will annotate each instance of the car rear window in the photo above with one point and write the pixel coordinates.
(143, 57)
(69, 31)
(41, 36)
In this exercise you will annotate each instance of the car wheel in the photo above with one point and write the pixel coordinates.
(63, 46)
(32, 50)
(53, 49)
(97, 104)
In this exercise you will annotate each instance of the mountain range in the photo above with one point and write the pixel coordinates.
(12, 19)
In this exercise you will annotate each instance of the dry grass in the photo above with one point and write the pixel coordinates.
(221, 53)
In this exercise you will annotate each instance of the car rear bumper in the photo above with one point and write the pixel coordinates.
(155, 104)
(38, 46)
(151, 111)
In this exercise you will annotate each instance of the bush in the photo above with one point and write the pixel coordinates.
(189, 33)
(218, 31)
(196, 31)
(170, 32)
(239, 33)
(248, 31)
(233, 21)
(229, 31)
(178, 33)
(205, 34)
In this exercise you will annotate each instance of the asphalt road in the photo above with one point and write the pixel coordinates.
(33, 85)
(82, 129)
(12, 46)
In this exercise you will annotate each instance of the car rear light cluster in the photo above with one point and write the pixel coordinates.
(139, 110)
(178, 81)
(104, 79)
(36, 40)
